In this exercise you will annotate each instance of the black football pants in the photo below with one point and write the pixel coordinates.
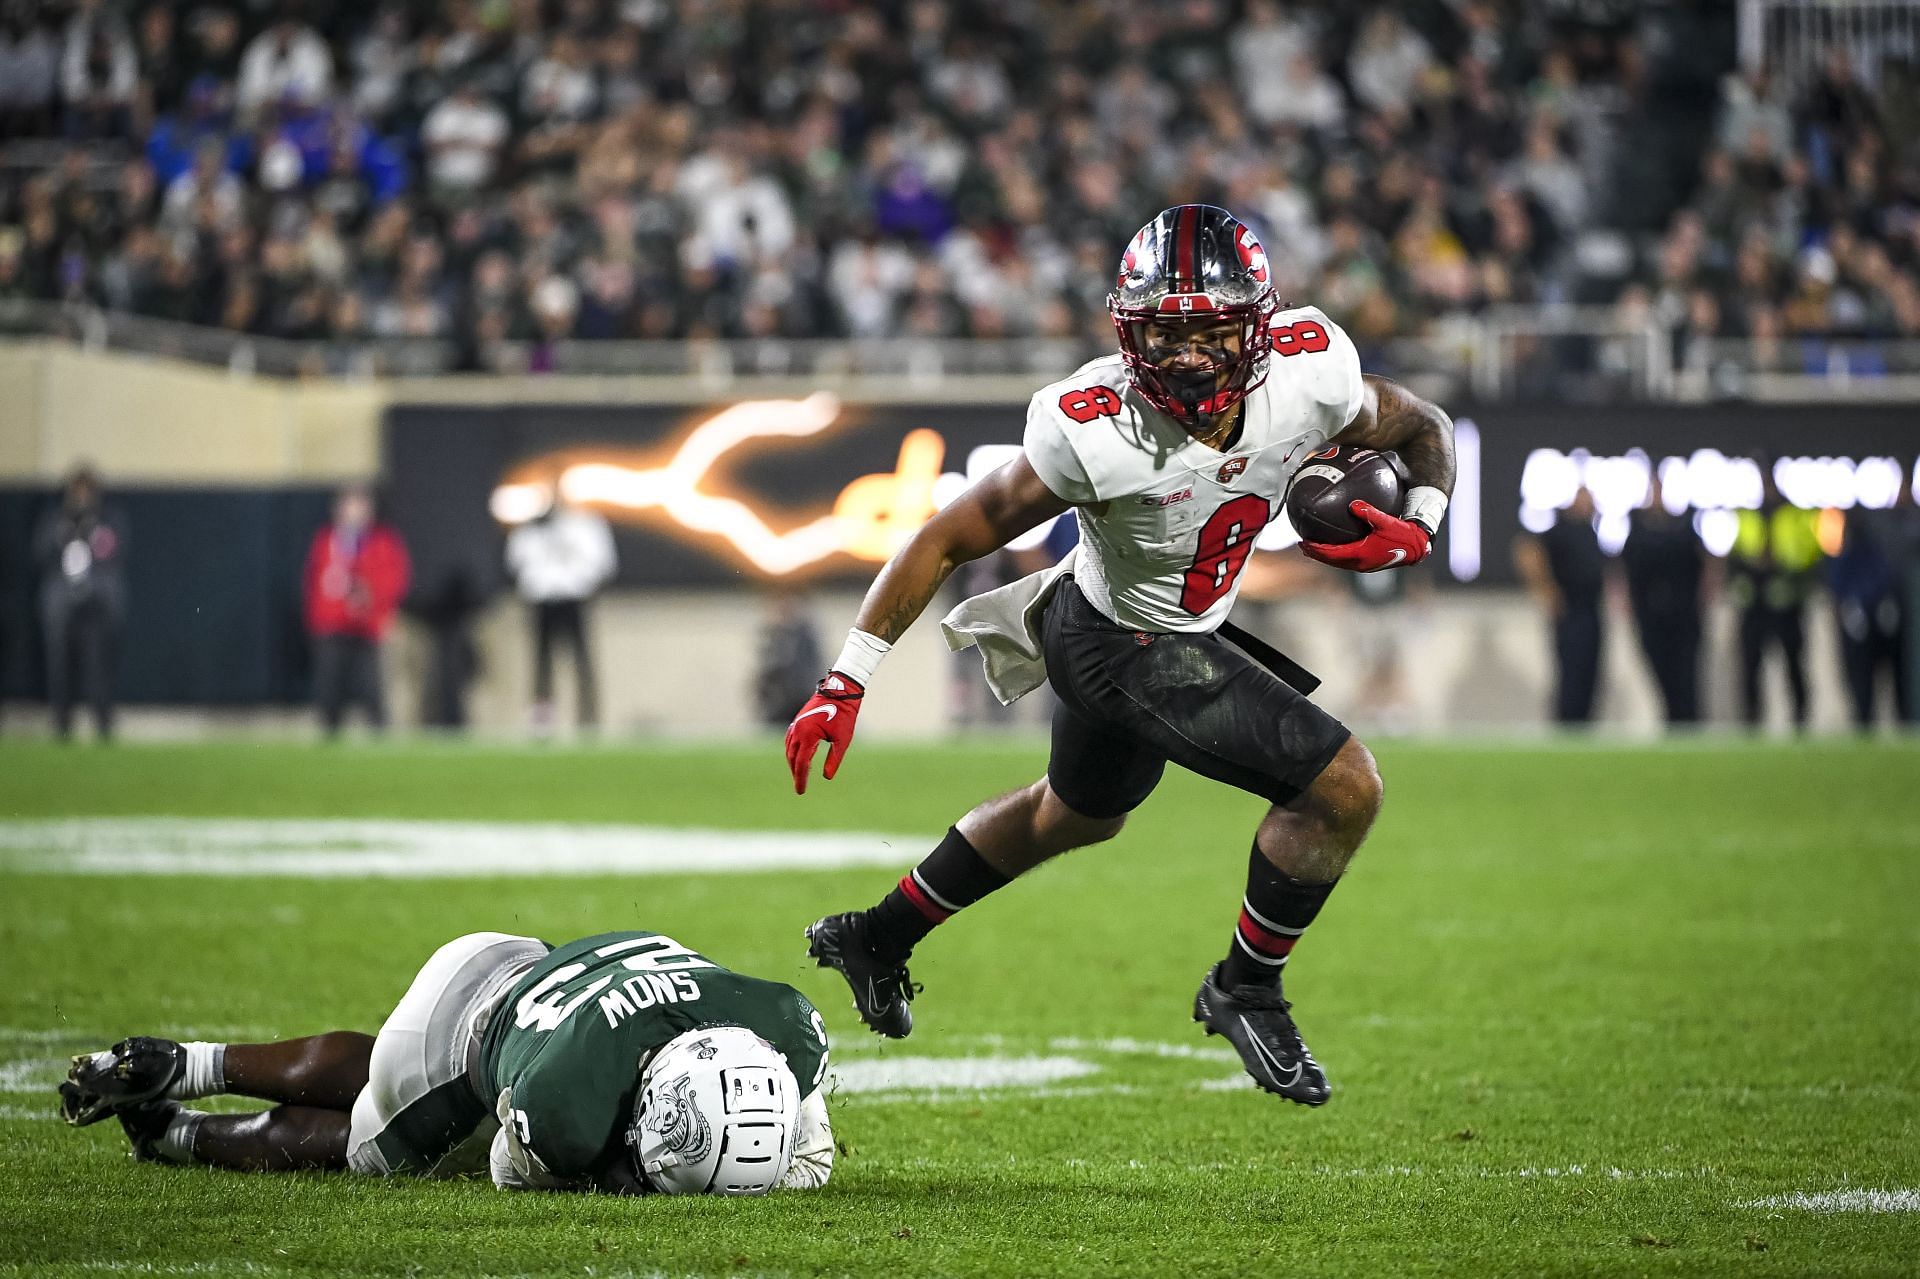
(1129, 701)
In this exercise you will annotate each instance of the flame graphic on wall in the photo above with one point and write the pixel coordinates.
(871, 517)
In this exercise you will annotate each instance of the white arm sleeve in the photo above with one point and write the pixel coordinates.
(513, 1165)
(1052, 455)
(812, 1146)
(500, 1164)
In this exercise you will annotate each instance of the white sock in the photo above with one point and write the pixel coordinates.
(205, 1075)
(176, 1144)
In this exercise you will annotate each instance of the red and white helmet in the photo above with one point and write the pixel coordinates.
(1194, 262)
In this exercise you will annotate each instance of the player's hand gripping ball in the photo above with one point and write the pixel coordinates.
(1338, 504)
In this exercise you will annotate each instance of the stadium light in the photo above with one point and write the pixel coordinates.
(1463, 521)
(871, 517)
(1707, 482)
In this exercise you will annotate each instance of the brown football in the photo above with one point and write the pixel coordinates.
(1331, 480)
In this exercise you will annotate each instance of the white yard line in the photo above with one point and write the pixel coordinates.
(1842, 1201)
(32, 1075)
(953, 1074)
(1144, 1048)
(423, 850)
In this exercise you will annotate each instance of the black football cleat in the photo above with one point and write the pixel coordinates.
(145, 1124)
(133, 1071)
(1256, 1021)
(881, 989)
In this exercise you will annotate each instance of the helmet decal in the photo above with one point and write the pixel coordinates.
(678, 1123)
(1252, 256)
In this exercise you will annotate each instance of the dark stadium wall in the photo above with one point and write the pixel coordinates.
(213, 594)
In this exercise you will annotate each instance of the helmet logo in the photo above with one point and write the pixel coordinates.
(705, 1050)
(1252, 256)
(678, 1123)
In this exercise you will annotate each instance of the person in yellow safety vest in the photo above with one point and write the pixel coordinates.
(1771, 573)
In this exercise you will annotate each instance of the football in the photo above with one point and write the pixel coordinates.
(1338, 475)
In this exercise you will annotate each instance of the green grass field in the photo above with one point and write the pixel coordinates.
(1587, 1010)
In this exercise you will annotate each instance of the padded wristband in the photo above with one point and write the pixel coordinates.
(861, 656)
(1427, 505)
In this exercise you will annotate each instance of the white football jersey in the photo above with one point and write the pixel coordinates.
(1166, 523)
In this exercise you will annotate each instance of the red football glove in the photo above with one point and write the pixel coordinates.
(827, 717)
(1394, 543)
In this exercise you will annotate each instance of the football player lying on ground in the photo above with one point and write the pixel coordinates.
(1172, 453)
(623, 1063)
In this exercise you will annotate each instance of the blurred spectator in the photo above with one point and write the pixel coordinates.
(1566, 573)
(559, 563)
(29, 73)
(464, 137)
(80, 547)
(789, 660)
(357, 574)
(98, 75)
(1869, 606)
(1770, 576)
(1666, 570)
(453, 660)
(1387, 62)
(288, 63)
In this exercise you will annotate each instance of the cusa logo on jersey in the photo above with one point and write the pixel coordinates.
(1230, 468)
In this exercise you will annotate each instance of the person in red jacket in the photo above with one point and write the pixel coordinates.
(357, 572)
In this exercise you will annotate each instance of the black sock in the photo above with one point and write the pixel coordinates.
(1273, 914)
(952, 877)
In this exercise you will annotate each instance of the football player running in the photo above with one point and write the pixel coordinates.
(623, 1063)
(1172, 454)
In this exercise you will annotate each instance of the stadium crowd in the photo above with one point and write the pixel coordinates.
(496, 172)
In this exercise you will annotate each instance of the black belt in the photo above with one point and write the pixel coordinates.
(1284, 668)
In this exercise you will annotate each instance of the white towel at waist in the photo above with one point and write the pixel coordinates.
(1005, 624)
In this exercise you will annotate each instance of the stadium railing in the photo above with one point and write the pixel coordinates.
(1792, 39)
(1577, 353)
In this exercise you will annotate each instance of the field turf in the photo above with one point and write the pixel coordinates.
(1587, 1010)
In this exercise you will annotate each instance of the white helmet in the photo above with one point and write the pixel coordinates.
(716, 1114)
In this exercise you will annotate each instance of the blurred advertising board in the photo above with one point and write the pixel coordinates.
(817, 489)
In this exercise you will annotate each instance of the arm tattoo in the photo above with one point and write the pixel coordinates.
(899, 608)
(1418, 430)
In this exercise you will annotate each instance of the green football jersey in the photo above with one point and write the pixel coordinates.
(569, 1038)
